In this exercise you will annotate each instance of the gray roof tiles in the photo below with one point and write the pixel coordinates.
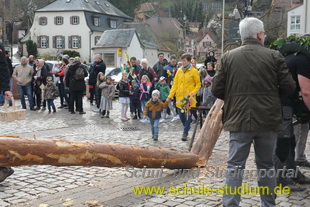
(97, 6)
(117, 38)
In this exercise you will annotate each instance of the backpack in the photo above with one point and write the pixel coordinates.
(79, 73)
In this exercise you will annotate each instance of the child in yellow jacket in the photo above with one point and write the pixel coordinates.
(153, 110)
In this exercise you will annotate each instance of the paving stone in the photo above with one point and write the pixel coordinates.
(4, 195)
(171, 203)
(4, 204)
(158, 200)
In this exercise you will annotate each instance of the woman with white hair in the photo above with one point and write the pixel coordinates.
(40, 75)
(146, 70)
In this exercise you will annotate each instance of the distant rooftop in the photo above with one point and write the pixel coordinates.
(117, 38)
(97, 6)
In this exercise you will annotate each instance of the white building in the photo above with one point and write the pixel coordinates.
(114, 44)
(296, 20)
(73, 25)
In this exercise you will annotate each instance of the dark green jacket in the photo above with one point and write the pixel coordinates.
(251, 79)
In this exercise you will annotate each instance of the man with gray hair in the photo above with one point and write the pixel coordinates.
(23, 75)
(251, 80)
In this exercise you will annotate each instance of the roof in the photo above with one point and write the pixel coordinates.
(294, 7)
(165, 28)
(146, 35)
(198, 37)
(150, 9)
(96, 6)
(116, 38)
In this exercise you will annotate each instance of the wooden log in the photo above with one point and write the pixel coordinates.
(20, 151)
(210, 132)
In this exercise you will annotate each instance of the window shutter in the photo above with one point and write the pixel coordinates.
(63, 42)
(40, 21)
(70, 42)
(47, 41)
(54, 42)
(39, 42)
(78, 20)
(79, 42)
(55, 20)
(62, 20)
(71, 20)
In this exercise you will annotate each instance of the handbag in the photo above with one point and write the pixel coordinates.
(11, 114)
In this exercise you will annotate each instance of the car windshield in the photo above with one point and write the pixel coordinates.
(115, 71)
(51, 66)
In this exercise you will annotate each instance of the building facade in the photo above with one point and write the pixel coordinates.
(73, 25)
(295, 19)
(115, 44)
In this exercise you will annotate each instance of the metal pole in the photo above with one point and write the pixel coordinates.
(12, 30)
(223, 26)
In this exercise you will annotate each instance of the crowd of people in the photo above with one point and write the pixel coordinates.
(141, 84)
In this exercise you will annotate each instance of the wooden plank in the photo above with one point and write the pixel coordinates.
(210, 132)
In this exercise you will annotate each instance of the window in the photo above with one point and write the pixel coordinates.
(8, 4)
(75, 20)
(295, 22)
(43, 42)
(109, 59)
(96, 21)
(42, 21)
(75, 42)
(59, 42)
(97, 39)
(113, 24)
(206, 44)
(59, 20)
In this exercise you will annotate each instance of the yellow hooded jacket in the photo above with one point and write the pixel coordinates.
(185, 83)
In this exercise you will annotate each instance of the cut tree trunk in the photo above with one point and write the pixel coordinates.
(19, 151)
(210, 132)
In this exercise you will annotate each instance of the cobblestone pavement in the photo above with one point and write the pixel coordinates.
(99, 186)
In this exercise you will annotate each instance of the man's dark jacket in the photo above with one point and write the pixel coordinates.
(73, 84)
(251, 79)
(94, 69)
(4, 71)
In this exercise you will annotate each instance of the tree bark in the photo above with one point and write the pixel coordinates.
(19, 151)
(210, 132)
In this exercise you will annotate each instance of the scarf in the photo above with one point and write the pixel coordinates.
(155, 102)
(186, 68)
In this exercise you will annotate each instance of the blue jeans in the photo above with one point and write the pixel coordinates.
(50, 104)
(154, 125)
(186, 120)
(62, 94)
(143, 103)
(25, 90)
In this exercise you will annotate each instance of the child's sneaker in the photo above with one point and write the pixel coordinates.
(54, 111)
(155, 138)
(49, 112)
(175, 118)
(161, 120)
(143, 120)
